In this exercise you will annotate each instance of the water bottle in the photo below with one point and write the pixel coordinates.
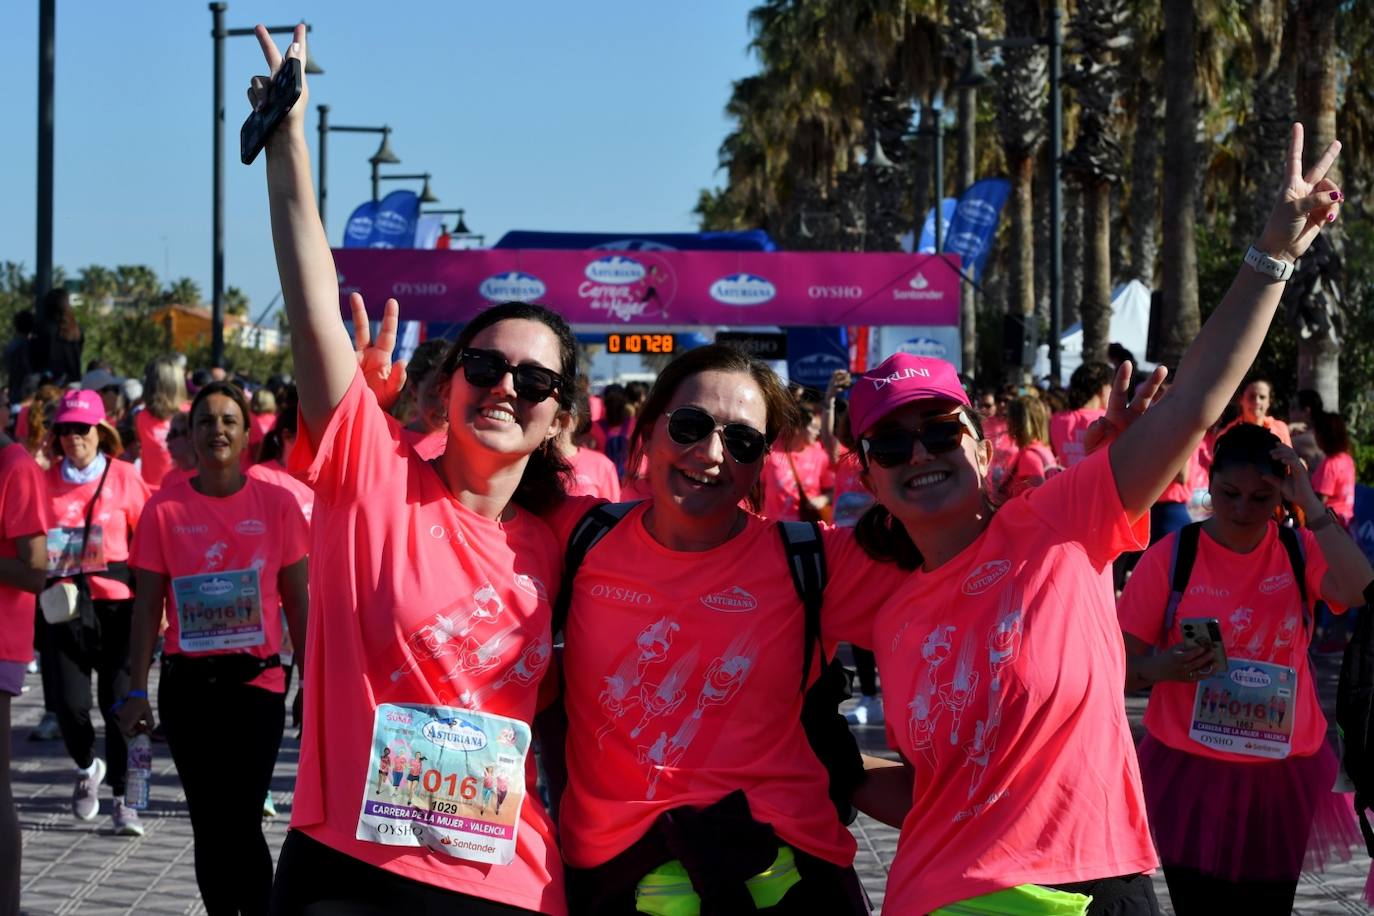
(140, 771)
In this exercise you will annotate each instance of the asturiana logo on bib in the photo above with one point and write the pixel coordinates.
(513, 286)
(251, 526)
(1251, 677)
(1275, 583)
(216, 587)
(458, 734)
(742, 289)
(985, 576)
(615, 269)
(733, 600)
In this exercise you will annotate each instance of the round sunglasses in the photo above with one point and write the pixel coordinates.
(485, 368)
(72, 429)
(889, 448)
(690, 425)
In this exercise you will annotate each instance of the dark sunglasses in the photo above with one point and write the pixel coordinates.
(690, 425)
(72, 429)
(484, 368)
(891, 447)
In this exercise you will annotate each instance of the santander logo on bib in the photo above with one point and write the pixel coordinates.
(1275, 583)
(732, 600)
(985, 576)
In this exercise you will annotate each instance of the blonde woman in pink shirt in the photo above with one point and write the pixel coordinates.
(431, 579)
(1019, 790)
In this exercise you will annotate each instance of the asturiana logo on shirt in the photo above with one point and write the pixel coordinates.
(458, 734)
(251, 526)
(1251, 677)
(985, 576)
(733, 600)
(1276, 583)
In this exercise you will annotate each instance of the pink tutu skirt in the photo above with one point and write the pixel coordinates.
(1246, 821)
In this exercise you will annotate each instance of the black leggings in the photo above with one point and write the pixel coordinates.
(1129, 895)
(316, 880)
(1193, 892)
(224, 739)
(73, 662)
(867, 666)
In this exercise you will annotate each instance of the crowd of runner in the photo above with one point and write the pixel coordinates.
(563, 652)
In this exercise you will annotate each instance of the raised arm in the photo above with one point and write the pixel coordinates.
(1148, 454)
(324, 360)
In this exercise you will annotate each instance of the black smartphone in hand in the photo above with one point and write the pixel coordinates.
(286, 91)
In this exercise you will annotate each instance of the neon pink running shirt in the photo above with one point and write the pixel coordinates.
(416, 600)
(780, 501)
(24, 511)
(593, 475)
(1334, 479)
(117, 513)
(1069, 431)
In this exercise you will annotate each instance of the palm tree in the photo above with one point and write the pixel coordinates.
(183, 292)
(98, 283)
(1147, 110)
(235, 301)
(1022, 92)
(1101, 29)
(137, 283)
(1179, 224)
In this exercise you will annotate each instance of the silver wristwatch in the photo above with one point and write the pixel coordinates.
(1276, 268)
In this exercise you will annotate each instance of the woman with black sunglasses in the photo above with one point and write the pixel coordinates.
(1020, 788)
(688, 764)
(431, 580)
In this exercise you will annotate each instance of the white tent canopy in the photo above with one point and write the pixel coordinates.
(1130, 327)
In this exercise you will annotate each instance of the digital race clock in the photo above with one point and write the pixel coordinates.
(640, 343)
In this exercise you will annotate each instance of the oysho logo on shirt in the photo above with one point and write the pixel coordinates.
(1210, 591)
(190, 529)
(985, 576)
(625, 595)
(733, 600)
(250, 526)
(1276, 583)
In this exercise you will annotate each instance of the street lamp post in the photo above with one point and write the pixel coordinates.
(974, 76)
(426, 195)
(47, 55)
(219, 33)
(384, 155)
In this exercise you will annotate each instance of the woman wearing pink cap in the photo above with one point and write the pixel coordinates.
(23, 523)
(1001, 655)
(96, 502)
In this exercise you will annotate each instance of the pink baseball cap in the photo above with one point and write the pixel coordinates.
(80, 407)
(897, 380)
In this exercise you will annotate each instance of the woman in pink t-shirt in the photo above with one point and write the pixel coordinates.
(1254, 404)
(684, 664)
(23, 527)
(1003, 647)
(1032, 461)
(798, 475)
(1236, 785)
(164, 394)
(84, 464)
(432, 579)
(1334, 476)
(219, 553)
(592, 473)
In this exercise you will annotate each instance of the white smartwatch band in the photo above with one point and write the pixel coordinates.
(1276, 268)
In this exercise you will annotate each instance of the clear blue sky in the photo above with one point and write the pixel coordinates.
(539, 115)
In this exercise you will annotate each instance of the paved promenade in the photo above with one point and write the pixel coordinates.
(72, 867)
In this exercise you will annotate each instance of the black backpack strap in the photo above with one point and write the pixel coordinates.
(1180, 569)
(1297, 558)
(594, 526)
(801, 542)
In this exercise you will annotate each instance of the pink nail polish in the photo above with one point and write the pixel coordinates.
(1331, 217)
(1335, 195)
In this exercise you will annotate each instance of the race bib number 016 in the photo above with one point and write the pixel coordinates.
(451, 780)
(67, 556)
(1248, 709)
(219, 610)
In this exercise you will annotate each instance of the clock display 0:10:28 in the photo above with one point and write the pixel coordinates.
(640, 343)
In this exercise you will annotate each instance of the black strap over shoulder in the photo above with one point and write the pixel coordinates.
(801, 541)
(594, 526)
(1292, 543)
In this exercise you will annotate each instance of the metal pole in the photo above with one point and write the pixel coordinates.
(217, 269)
(939, 180)
(324, 140)
(376, 182)
(47, 55)
(1056, 190)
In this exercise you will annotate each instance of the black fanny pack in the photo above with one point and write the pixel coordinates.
(237, 668)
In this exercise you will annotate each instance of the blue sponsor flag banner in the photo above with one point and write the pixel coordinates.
(393, 226)
(1363, 525)
(975, 223)
(813, 355)
(358, 229)
(927, 245)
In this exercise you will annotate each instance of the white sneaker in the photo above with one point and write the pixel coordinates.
(86, 794)
(268, 808)
(868, 711)
(126, 822)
